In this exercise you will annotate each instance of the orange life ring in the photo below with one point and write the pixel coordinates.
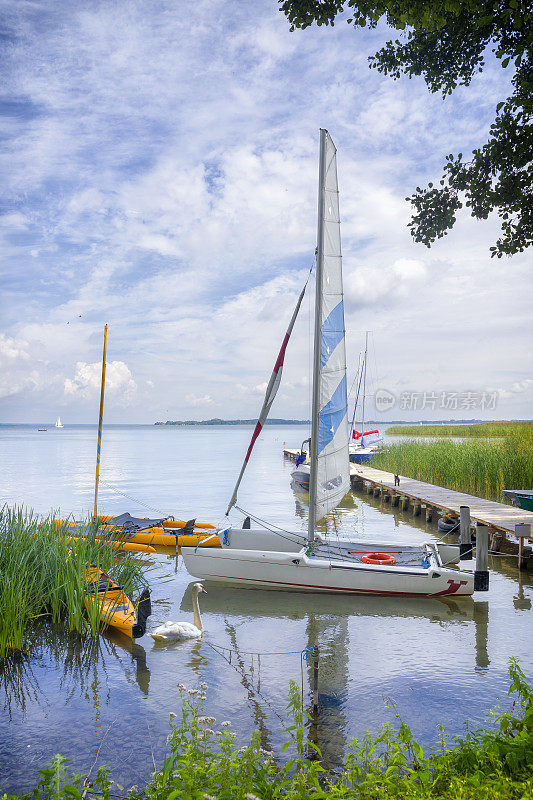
(378, 558)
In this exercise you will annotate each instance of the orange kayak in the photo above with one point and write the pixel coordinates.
(116, 544)
(114, 606)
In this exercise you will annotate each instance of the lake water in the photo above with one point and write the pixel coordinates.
(108, 700)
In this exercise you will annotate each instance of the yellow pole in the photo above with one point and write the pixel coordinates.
(100, 422)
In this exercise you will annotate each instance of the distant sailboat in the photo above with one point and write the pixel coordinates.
(59, 424)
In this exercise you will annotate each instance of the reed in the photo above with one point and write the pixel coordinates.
(44, 572)
(480, 467)
(482, 430)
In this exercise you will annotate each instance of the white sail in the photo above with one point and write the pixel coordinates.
(59, 424)
(332, 460)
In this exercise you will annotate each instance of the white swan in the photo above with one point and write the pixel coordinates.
(177, 631)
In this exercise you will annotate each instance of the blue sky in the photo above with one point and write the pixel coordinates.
(159, 173)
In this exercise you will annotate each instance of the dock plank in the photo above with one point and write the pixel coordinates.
(488, 512)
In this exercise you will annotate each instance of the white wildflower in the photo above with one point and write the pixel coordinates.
(172, 715)
(225, 724)
(203, 685)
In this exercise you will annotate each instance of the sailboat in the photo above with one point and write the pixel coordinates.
(59, 424)
(363, 443)
(275, 558)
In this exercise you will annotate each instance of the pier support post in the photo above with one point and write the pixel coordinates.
(377, 491)
(495, 540)
(405, 503)
(315, 679)
(386, 497)
(416, 510)
(429, 514)
(522, 531)
(481, 574)
(465, 542)
(395, 500)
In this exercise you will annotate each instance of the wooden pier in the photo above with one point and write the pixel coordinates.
(424, 499)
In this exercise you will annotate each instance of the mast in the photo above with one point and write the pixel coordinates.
(100, 423)
(316, 359)
(364, 392)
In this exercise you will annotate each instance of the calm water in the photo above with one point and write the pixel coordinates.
(108, 700)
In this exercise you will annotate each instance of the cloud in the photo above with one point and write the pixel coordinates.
(198, 401)
(87, 379)
(160, 174)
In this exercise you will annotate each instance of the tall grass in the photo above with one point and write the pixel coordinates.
(480, 467)
(478, 430)
(42, 571)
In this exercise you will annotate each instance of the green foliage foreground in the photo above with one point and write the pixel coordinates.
(207, 765)
(44, 572)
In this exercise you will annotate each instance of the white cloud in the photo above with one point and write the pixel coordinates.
(87, 380)
(198, 401)
(164, 180)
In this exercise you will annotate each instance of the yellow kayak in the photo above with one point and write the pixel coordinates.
(117, 544)
(114, 606)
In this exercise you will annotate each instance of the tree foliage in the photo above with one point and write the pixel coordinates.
(447, 42)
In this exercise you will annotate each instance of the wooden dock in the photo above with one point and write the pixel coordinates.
(435, 500)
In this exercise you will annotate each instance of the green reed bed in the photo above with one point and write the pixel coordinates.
(44, 572)
(480, 467)
(478, 430)
(207, 764)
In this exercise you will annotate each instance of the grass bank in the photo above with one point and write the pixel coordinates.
(481, 430)
(43, 573)
(208, 765)
(480, 467)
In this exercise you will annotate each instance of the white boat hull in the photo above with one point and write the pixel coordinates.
(294, 570)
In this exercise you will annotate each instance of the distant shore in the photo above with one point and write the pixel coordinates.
(194, 422)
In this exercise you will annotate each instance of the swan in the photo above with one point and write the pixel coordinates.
(177, 631)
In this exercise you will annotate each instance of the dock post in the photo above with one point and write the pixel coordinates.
(481, 574)
(395, 500)
(465, 542)
(405, 503)
(522, 531)
(315, 679)
(429, 514)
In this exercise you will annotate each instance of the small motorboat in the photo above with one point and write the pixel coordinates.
(521, 497)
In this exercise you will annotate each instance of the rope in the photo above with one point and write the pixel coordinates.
(272, 528)
(133, 499)
(303, 652)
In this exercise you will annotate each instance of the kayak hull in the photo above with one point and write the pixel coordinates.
(112, 605)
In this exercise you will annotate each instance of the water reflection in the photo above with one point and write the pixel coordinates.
(81, 661)
(327, 624)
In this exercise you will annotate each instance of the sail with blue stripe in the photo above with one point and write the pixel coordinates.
(332, 459)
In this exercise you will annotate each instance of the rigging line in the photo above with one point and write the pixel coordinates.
(256, 691)
(257, 653)
(277, 532)
(268, 525)
(133, 499)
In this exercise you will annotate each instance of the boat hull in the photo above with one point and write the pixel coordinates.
(294, 571)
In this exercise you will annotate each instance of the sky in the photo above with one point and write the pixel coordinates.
(158, 173)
